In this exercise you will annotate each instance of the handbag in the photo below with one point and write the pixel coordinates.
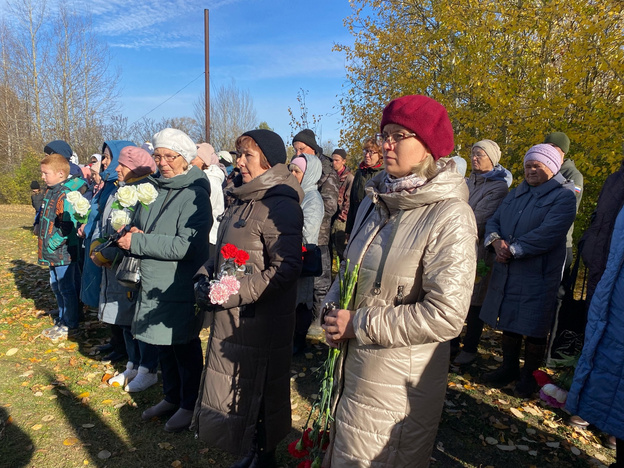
(129, 270)
(570, 321)
(312, 261)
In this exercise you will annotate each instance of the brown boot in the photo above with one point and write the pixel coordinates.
(510, 369)
(533, 358)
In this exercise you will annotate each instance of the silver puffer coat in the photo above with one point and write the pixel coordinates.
(393, 375)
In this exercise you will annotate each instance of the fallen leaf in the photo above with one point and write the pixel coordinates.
(36, 427)
(506, 448)
(38, 394)
(295, 417)
(524, 448)
(176, 464)
(106, 377)
(84, 395)
(47, 418)
(552, 444)
(575, 451)
(88, 425)
(70, 441)
(11, 351)
(107, 402)
(103, 454)
(517, 413)
(491, 440)
(165, 445)
(531, 431)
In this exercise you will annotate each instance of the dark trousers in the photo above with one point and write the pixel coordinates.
(322, 283)
(181, 367)
(140, 353)
(474, 328)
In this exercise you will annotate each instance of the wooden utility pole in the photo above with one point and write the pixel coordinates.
(207, 67)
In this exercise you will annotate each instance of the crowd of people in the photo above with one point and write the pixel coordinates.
(435, 250)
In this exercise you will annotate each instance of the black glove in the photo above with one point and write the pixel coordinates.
(202, 291)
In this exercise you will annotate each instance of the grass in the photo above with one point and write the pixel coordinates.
(56, 411)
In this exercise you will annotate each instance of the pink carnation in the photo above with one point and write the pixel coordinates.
(231, 283)
(221, 290)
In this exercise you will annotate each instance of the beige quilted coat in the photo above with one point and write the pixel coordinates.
(394, 374)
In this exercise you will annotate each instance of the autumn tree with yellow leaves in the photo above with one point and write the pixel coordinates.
(508, 70)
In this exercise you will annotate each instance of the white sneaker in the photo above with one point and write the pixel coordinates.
(143, 380)
(123, 378)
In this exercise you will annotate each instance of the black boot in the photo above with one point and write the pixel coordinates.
(510, 369)
(246, 461)
(264, 459)
(533, 357)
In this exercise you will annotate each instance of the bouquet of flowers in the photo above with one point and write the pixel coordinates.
(226, 282)
(310, 448)
(81, 206)
(126, 199)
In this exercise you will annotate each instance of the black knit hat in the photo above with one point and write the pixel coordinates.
(341, 152)
(271, 145)
(59, 147)
(307, 137)
(34, 185)
(560, 140)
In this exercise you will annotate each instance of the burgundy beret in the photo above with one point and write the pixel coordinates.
(425, 117)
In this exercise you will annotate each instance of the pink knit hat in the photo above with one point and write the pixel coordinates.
(425, 117)
(546, 154)
(300, 162)
(206, 153)
(137, 160)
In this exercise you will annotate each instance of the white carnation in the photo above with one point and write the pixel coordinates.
(127, 196)
(146, 193)
(81, 205)
(119, 218)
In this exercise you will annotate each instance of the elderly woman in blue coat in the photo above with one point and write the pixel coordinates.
(528, 235)
(597, 392)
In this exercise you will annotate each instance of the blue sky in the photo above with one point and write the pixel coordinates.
(271, 48)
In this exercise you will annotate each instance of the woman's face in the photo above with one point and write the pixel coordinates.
(297, 172)
(401, 157)
(123, 173)
(106, 158)
(169, 162)
(248, 161)
(481, 162)
(371, 157)
(536, 173)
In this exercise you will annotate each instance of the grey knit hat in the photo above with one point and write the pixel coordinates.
(491, 148)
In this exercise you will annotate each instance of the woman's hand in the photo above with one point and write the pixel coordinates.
(125, 241)
(338, 326)
(503, 254)
(80, 232)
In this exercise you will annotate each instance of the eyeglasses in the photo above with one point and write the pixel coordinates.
(392, 138)
(168, 158)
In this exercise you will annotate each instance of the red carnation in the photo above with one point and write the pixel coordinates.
(541, 377)
(307, 442)
(305, 464)
(229, 251)
(241, 257)
(296, 449)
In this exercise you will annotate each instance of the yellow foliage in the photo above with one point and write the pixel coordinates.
(505, 70)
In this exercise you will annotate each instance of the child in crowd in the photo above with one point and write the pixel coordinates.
(58, 245)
